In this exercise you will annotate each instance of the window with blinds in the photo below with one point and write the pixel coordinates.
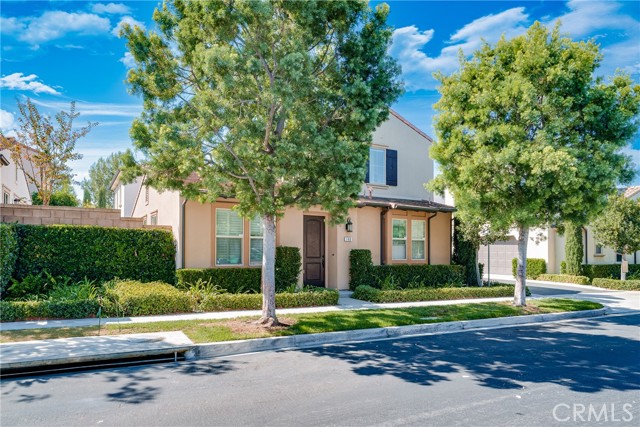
(255, 240)
(229, 235)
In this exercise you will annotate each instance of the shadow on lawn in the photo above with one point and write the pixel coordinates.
(580, 356)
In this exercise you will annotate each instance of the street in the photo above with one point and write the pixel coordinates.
(520, 376)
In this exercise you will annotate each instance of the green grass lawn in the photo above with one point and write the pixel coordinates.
(201, 331)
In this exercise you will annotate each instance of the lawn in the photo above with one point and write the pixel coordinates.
(201, 331)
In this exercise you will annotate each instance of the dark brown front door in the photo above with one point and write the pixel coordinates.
(313, 245)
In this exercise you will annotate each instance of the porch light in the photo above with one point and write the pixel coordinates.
(349, 225)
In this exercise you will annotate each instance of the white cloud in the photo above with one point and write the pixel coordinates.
(18, 81)
(634, 153)
(126, 20)
(128, 60)
(585, 17)
(54, 25)
(95, 109)
(7, 121)
(110, 9)
(11, 25)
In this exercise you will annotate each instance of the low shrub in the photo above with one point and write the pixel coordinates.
(8, 254)
(565, 278)
(368, 293)
(288, 266)
(563, 267)
(535, 267)
(622, 285)
(418, 275)
(607, 271)
(360, 266)
(12, 311)
(233, 280)
(133, 298)
(226, 301)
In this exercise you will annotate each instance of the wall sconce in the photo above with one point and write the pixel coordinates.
(349, 225)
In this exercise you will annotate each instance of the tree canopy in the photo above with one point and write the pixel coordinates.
(526, 136)
(618, 226)
(101, 173)
(270, 102)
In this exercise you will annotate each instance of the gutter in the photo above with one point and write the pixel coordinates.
(403, 207)
(429, 237)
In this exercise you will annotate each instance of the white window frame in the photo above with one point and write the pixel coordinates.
(384, 166)
(6, 197)
(423, 239)
(399, 239)
(152, 216)
(598, 250)
(251, 238)
(241, 238)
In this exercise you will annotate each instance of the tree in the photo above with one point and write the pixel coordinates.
(64, 195)
(44, 149)
(574, 248)
(271, 102)
(528, 137)
(101, 174)
(618, 226)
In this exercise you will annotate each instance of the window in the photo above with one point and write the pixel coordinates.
(418, 238)
(399, 243)
(154, 218)
(377, 166)
(6, 198)
(618, 257)
(598, 249)
(144, 220)
(229, 234)
(255, 240)
(146, 194)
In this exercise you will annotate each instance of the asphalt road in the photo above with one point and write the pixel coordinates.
(499, 377)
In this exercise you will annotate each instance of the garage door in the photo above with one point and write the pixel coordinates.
(501, 252)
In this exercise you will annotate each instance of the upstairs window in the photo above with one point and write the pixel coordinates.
(377, 173)
(229, 235)
(6, 198)
(154, 218)
(598, 249)
(618, 257)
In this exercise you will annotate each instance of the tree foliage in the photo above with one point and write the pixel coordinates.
(43, 148)
(271, 102)
(64, 195)
(573, 249)
(101, 173)
(618, 226)
(528, 137)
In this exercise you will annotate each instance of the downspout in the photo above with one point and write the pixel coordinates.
(429, 237)
(451, 231)
(586, 248)
(383, 215)
(183, 209)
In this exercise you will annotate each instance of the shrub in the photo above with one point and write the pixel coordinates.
(8, 254)
(607, 271)
(535, 267)
(563, 267)
(133, 298)
(33, 286)
(622, 285)
(360, 267)
(12, 311)
(288, 266)
(233, 280)
(574, 248)
(221, 302)
(96, 253)
(465, 253)
(368, 293)
(427, 275)
(565, 278)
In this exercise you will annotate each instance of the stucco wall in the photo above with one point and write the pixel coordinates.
(199, 235)
(13, 181)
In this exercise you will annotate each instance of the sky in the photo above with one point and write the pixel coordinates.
(55, 52)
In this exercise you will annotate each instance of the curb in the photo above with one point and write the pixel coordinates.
(228, 348)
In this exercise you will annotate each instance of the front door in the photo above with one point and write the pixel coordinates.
(313, 249)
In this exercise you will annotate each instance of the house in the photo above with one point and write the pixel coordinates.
(549, 245)
(13, 181)
(395, 218)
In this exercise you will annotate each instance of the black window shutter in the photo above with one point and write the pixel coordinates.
(392, 167)
(366, 177)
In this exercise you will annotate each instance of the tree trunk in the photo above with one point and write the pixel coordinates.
(520, 295)
(269, 272)
(478, 276)
(623, 273)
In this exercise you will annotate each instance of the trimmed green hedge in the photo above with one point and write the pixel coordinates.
(622, 285)
(233, 280)
(368, 293)
(607, 271)
(288, 266)
(565, 278)
(8, 254)
(12, 311)
(360, 267)
(95, 253)
(535, 267)
(221, 302)
(132, 298)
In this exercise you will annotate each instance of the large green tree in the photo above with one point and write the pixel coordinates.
(528, 137)
(618, 226)
(272, 102)
(101, 173)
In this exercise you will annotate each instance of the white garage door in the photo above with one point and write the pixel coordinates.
(501, 252)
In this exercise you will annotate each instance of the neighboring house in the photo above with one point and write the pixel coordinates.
(124, 195)
(395, 218)
(549, 245)
(13, 182)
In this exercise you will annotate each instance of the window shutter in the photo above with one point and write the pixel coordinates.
(366, 177)
(392, 167)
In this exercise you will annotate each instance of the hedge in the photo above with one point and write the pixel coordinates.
(133, 298)
(368, 293)
(622, 285)
(288, 266)
(360, 267)
(95, 253)
(12, 311)
(607, 271)
(535, 267)
(565, 278)
(221, 302)
(8, 254)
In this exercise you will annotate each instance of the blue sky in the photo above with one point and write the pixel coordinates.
(59, 51)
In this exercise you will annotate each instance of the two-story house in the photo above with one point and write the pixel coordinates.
(13, 181)
(395, 218)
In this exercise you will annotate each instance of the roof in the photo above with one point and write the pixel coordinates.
(411, 125)
(404, 204)
(630, 191)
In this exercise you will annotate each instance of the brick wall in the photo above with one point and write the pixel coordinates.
(46, 215)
